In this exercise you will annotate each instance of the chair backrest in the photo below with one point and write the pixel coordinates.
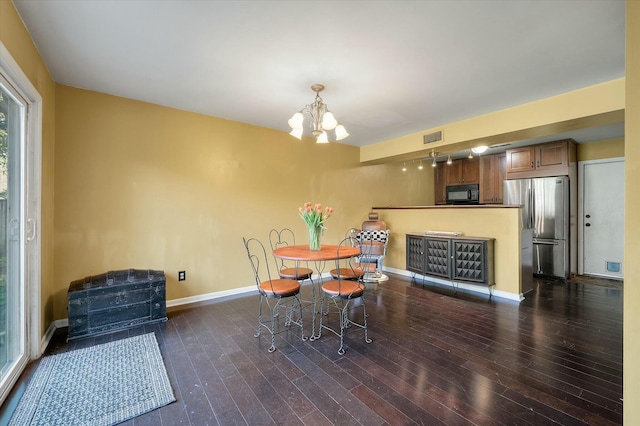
(374, 223)
(352, 263)
(258, 259)
(281, 238)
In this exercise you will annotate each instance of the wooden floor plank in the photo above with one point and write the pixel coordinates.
(437, 357)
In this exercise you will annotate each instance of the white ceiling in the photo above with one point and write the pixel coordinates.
(390, 67)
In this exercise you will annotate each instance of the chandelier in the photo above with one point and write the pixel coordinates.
(321, 120)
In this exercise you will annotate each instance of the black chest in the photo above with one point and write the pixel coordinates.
(115, 300)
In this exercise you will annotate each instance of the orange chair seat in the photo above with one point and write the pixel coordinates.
(347, 273)
(280, 288)
(343, 288)
(295, 273)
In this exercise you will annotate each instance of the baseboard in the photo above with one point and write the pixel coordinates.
(208, 297)
(44, 342)
(469, 287)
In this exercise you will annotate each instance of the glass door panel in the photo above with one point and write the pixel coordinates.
(13, 351)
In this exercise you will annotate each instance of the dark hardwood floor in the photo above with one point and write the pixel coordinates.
(436, 358)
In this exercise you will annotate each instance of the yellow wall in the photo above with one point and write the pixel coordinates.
(144, 186)
(602, 149)
(503, 224)
(632, 219)
(593, 106)
(19, 44)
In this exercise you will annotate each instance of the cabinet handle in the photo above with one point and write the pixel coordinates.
(532, 164)
(537, 164)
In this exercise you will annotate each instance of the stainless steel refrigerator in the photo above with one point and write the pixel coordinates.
(545, 209)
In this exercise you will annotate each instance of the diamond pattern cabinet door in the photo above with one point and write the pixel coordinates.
(415, 254)
(438, 257)
(473, 260)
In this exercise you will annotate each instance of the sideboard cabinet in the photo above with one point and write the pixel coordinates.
(459, 259)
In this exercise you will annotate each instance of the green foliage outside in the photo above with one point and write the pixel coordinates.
(4, 108)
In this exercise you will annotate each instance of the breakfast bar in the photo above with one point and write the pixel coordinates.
(494, 221)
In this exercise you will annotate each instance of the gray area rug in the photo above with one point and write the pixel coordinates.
(99, 385)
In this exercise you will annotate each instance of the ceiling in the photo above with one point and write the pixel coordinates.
(390, 67)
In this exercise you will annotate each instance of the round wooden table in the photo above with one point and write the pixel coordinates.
(326, 252)
(302, 253)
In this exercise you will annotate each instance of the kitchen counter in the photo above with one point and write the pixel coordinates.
(497, 221)
(450, 206)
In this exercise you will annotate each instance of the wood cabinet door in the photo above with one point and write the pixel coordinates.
(493, 172)
(454, 172)
(440, 184)
(487, 179)
(520, 159)
(501, 175)
(470, 170)
(552, 155)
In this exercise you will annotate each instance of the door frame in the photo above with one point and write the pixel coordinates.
(581, 196)
(33, 205)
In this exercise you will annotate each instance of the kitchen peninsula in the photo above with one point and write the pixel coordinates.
(496, 221)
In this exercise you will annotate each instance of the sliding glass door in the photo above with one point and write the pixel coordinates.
(13, 310)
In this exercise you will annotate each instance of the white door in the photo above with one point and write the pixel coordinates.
(20, 123)
(601, 218)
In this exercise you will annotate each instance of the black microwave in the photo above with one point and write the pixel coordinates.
(463, 194)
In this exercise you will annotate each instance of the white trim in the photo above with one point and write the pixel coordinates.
(32, 250)
(210, 296)
(581, 189)
(470, 287)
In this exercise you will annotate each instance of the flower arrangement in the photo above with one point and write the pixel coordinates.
(315, 217)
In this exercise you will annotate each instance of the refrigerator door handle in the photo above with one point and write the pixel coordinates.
(546, 243)
(532, 204)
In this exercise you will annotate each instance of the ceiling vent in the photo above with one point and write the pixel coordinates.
(433, 137)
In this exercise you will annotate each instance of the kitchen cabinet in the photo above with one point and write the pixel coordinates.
(463, 172)
(547, 159)
(493, 171)
(440, 184)
(458, 259)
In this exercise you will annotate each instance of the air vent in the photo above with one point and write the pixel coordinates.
(433, 137)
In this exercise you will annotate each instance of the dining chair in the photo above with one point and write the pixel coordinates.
(352, 271)
(273, 293)
(345, 296)
(287, 270)
(375, 230)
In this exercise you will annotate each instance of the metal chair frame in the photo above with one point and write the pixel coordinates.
(344, 300)
(380, 236)
(270, 295)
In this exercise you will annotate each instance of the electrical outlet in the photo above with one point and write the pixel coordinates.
(182, 275)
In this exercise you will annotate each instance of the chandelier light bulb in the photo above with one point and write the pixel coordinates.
(433, 164)
(404, 167)
(420, 166)
(322, 138)
(341, 132)
(470, 156)
(449, 162)
(297, 133)
(295, 122)
(328, 121)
